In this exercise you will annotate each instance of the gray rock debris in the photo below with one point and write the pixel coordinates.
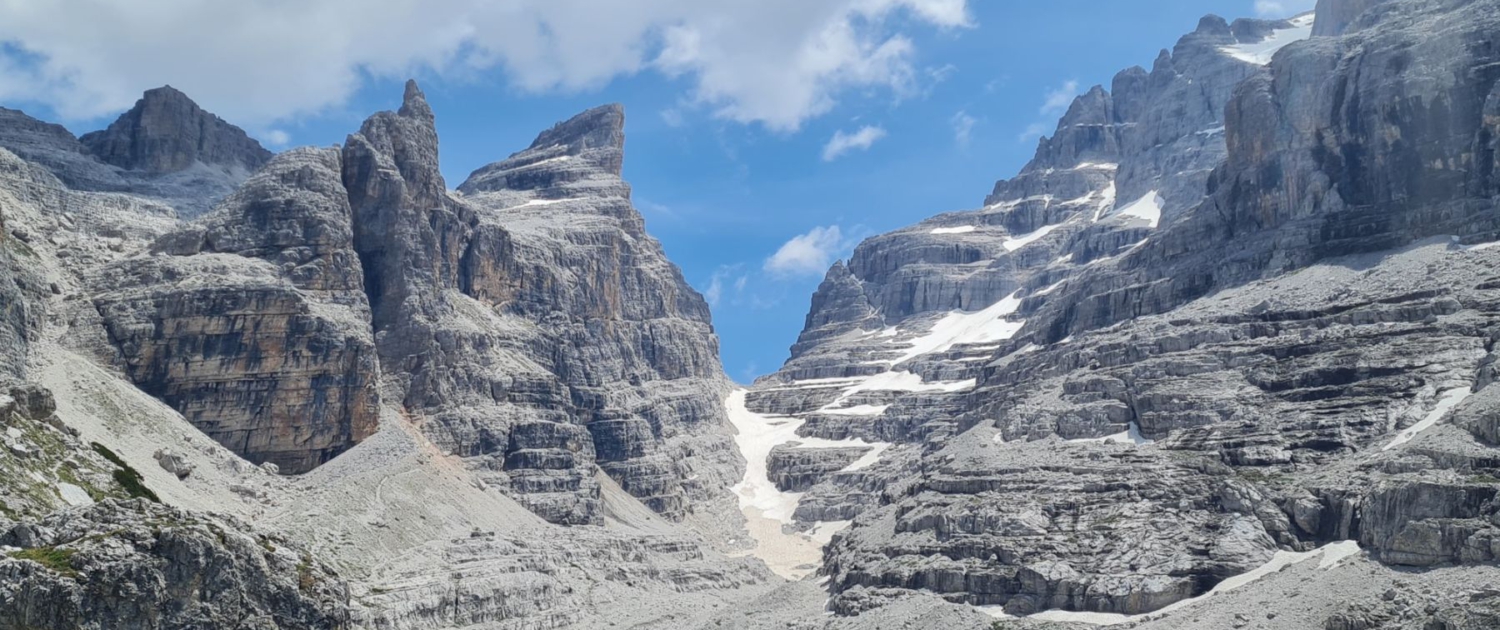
(139, 565)
(173, 463)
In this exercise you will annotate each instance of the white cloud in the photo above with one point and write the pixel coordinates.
(274, 137)
(652, 208)
(775, 62)
(963, 127)
(1032, 132)
(720, 284)
(1269, 8)
(808, 254)
(715, 291)
(1283, 8)
(842, 143)
(1058, 100)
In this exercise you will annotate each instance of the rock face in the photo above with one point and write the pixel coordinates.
(253, 321)
(526, 346)
(167, 150)
(529, 321)
(1336, 16)
(54, 147)
(1240, 308)
(626, 346)
(1228, 291)
(167, 132)
(795, 469)
(139, 565)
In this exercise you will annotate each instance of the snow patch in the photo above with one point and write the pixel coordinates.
(1147, 208)
(1131, 435)
(1261, 52)
(767, 508)
(904, 382)
(816, 383)
(543, 202)
(959, 328)
(1016, 202)
(955, 230)
(1105, 203)
(1446, 403)
(823, 532)
(868, 459)
(755, 436)
(1051, 288)
(1017, 242)
(551, 160)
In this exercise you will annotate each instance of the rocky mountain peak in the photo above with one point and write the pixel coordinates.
(1213, 25)
(405, 140)
(414, 103)
(598, 132)
(581, 156)
(167, 132)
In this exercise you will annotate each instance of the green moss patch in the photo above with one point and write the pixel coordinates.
(54, 558)
(129, 478)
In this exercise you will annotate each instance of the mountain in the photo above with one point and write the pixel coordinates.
(1238, 314)
(167, 132)
(1214, 320)
(353, 366)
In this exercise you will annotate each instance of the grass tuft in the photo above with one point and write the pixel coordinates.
(129, 478)
(59, 560)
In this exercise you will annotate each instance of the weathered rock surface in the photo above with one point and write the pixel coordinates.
(1239, 306)
(150, 155)
(253, 321)
(542, 343)
(534, 320)
(53, 147)
(1336, 16)
(139, 565)
(44, 465)
(1254, 284)
(795, 469)
(167, 132)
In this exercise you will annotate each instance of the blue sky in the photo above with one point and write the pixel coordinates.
(731, 138)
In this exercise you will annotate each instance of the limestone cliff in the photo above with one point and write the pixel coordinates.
(440, 373)
(1199, 328)
(253, 321)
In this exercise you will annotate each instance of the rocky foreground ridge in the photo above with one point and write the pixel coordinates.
(1220, 356)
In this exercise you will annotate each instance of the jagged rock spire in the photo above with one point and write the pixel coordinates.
(414, 103)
